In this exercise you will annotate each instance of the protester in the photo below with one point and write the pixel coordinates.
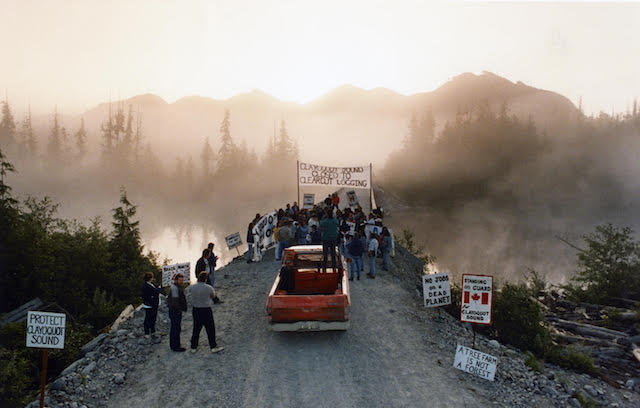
(285, 236)
(177, 303)
(355, 249)
(250, 242)
(213, 260)
(301, 232)
(202, 296)
(315, 237)
(335, 200)
(329, 231)
(385, 248)
(150, 302)
(373, 249)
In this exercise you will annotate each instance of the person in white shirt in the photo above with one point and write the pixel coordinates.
(373, 250)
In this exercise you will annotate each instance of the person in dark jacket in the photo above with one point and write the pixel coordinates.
(316, 235)
(150, 302)
(213, 260)
(329, 230)
(250, 242)
(355, 249)
(177, 303)
(203, 264)
(385, 248)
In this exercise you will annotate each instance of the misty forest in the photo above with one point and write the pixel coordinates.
(489, 179)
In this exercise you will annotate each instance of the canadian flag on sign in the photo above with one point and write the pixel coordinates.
(475, 297)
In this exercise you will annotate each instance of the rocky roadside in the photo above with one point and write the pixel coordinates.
(116, 360)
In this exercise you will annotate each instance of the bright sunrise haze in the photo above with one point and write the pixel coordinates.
(77, 54)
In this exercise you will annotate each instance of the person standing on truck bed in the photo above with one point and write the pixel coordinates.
(329, 231)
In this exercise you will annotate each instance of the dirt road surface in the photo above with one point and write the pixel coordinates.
(387, 358)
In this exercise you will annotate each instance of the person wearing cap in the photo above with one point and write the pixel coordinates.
(285, 235)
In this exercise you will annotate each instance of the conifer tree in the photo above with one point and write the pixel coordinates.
(54, 147)
(107, 136)
(7, 126)
(28, 135)
(206, 159)
(81, 140)
(227, 150)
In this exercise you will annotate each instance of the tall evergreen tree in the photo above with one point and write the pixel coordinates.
(7, 126)
(54, 146)
(107, 136)
(28, 134)
(206, 159)
(226, 154)
(81, 140)
(125, 247)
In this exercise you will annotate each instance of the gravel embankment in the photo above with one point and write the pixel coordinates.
(396, 354)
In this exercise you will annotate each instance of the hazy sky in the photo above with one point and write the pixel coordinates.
(77, 53)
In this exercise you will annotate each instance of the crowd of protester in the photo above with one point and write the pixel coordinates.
(327, 224)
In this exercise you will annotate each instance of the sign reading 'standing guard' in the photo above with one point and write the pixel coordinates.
(477, 299)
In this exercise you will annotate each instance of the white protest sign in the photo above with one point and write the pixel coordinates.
(475, 362)
(436, 289)
(371, 228)
(352, 199)
(308, 201)
(263, 234)
(477, 299)
(233, 240)
(169, 271)
(315, 175)
(46, 330)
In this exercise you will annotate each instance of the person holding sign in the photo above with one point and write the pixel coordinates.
(150, 302)
(177, 303)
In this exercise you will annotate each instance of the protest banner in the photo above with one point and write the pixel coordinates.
(352, 199)
(169, 271)
(233, 240)
(308, 201)
(315, 175)
(263, 234)
(436, 290)
(45, 330)
(477, 299)
(475, 362)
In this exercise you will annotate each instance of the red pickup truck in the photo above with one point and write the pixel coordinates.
(304, 298)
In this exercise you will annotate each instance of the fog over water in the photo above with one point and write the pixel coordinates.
(493, 127)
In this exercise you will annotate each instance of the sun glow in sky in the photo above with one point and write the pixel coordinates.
(76, 54)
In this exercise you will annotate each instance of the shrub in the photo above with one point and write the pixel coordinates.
(17, 376)
(572, 358)
(608, 268)
(533, 363)
(518, 320)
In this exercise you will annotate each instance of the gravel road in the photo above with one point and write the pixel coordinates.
(392, 356)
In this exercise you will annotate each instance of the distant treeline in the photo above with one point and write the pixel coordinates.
(497, 189)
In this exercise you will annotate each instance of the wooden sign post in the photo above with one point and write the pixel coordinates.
(45, 330)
